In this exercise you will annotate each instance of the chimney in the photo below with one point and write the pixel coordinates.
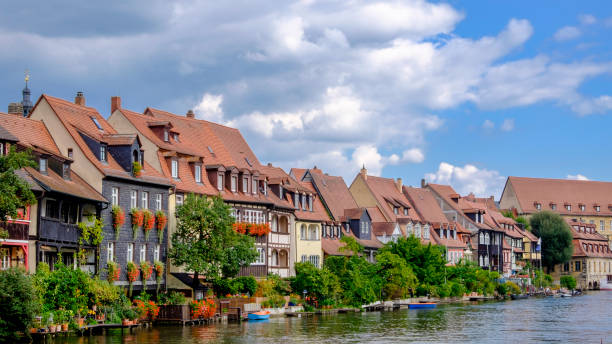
(399, 184)
(269, 164)
(79, 99)
(423, 183)
(115, 104)
(15, 109)
(364, 172)
(190, 114)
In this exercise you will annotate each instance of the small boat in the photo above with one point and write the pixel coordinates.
(422, 305)
(261, 315)
(518, 296)
(566, 295)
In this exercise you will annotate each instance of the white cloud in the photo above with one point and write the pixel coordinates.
(508, 124)
(587, 106)
(567, 33)
(587, 19)
(488, 124)
(413, 155)
(469, 178)
(209, 108)
(576, 177)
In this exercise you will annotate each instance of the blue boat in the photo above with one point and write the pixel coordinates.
(263, 315)
(422, 305)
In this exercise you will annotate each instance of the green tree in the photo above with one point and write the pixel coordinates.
(14, 191)
(350, 245)
(427, 261)
(398, 279)
(568, 282)
(321, 283)
(17, 304)
(556, 238)
(204, 241)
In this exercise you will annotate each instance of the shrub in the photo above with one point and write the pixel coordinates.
(568, 282)
(502, 289)
(17, 303)
(246, 284)
(224, 286)
(457, 289)
(274, 301)
(513, 288)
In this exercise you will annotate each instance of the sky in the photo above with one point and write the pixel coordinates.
(460, 92)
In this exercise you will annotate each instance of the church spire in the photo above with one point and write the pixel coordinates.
(26, 102)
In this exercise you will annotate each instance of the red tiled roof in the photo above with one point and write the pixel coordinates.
(76, 186)
(334, 193)
(530, 191)
(385, 191)
(425, 204)
(30, 133)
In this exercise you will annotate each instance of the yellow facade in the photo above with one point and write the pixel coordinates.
(306, 247)
(589, 272)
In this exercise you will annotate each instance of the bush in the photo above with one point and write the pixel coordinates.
(444, 290)
(246, 284)
(172, 298)
(224, 286)
(502, 289)
(457, 289)
(513, 288)
(568, 282)
(17, 304)
(274, 301)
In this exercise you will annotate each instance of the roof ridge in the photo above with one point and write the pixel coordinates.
(192, 119)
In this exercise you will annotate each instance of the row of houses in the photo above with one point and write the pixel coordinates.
(89, 164)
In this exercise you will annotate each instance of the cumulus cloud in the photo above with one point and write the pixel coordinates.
(209, 107)
(567, 33)
(469, 178)
(507, 125)
(576, 177)
(587, 19)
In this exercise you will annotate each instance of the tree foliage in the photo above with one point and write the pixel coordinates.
(321, 283)
(14, 191)
(350, 245)
(556, 238)
(568, 282)
(204, 241)
(426, 261)
(399, 281)
(17, 304)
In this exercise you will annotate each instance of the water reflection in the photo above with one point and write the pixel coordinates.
(583, 319)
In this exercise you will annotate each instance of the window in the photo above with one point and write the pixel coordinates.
(143, 253)
(2, 152)
(174, 168)
(426, 232)
(254, 186)
(179, 200)
(310, 202)
(219, 182)
(296, 201)
(405, 211)
(166, 138)
(280, 192)
(66, 170)
(198, 173)
(538, 206)
(553, 206)
(597, 208)
(601, 225)
(245, 184)
(314, 260)
(42, 165)
(234, 182)
(417, 231)
(582, 207)
(130, 253)
(95, 120)
(395, 210)
(51, 209)
(115, 195)
(568, 207)
(303, 232)
(304, 258)
(70, 154)
(261, 259)
(110, 252)
(158, 202)
(303, 202)
(156, 253)
(265, 188)
(313, 232)
(133, 199)
(144, 202)
(103, 153)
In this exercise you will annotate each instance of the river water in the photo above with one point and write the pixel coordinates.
(584, 319)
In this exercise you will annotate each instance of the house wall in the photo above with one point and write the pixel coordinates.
(593, 270)
(118, 121)
(362, 195)
(508, 199)
(307, 247)
(81, 165)
(126, 234)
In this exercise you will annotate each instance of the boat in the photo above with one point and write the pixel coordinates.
(566, 295)
(261, 315)
(422, 305)
(518, 296)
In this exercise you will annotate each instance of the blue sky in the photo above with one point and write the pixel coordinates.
(464, 93)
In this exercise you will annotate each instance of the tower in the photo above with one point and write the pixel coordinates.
(26, 102)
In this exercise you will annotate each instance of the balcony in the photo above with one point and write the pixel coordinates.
(54, 230)
(16, 231)
(279, 238)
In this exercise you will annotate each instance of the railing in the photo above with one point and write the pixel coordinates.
(16, 231)
(55, 230)
(280, 238)
(254, 270)
(281, 271)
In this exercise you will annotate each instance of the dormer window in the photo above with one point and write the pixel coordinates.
(597, 208)
(245, 184)
(296, 201)
(176, 137)
(310, 202)
(280, 191)
(66, 170)
(254, 186)
(265, 188)
(197, 171)
(234, 181)
(553, 206)
(406, 211)
(568, 207)
(70, 154)
(103, 153)
(395, 210)
(582, 207)
(220, 182)
(175, 173)
(538, 206)
(166, 137)
(303, 202)
(42, 165)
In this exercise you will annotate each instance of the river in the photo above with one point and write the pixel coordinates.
(584, 319)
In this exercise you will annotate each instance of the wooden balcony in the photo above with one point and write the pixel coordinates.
(54, 230)
(16, 231)
(254, 270)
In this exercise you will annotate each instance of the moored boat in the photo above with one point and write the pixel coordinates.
(422, 305)
(262, 315)
(518, 296)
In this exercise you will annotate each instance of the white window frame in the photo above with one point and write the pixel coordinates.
(156, 252)
(166, 135)
(144, 200)
(220, 182)
(42, 163)
(254, 186)
(130, 253)
(233, 183)
(296, 200)
(143, 253)
(245, 185)
(103, 153)
(179, 200)
(134, 198)
(197, 171)
(310, 201)
(114, 195)
(174, 166)
(265, 187)
(303, 201)
(158, 201)
(261, 258)
(110, 251)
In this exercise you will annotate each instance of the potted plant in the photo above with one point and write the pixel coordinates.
(118, 219)
(136, 168)
(137, 220)
(146, 272)
(132, 275)
(159, 274)
(148, 222)
(161, 224)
